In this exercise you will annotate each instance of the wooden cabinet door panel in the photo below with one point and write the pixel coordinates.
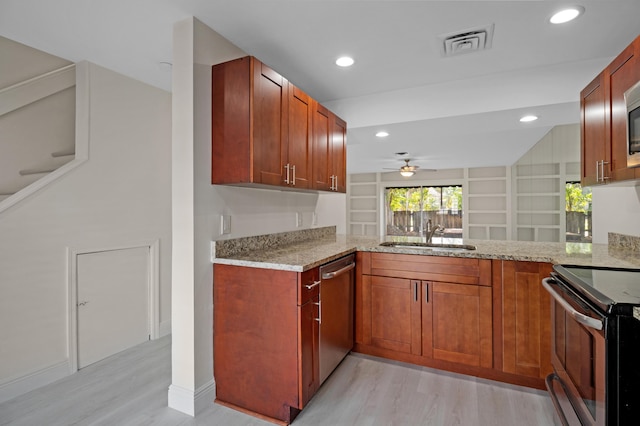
(338, 153)
(594, 144)
(299, 140)
(460, 322)
(270, 125)
(255, 339)
(623, 73)
(308, 358)
(231, 137)
(321, 148)
(395, 314)
(526, 319)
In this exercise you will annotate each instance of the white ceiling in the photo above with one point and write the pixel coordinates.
(446, 112)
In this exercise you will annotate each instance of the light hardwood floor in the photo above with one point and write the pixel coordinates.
(130, 388)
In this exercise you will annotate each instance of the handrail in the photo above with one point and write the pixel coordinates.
(28, 91)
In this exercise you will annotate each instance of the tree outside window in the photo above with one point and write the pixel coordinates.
(578, 212)
(409, 208)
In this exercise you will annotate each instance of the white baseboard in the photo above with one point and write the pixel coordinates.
(164, 329)
(29, 382)
(205, 395)
(190, 402)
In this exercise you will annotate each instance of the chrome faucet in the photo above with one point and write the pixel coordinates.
(431, 230)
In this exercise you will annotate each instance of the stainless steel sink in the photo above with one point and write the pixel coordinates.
(429, 246)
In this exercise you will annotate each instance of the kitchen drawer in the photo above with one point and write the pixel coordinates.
(308, 285)
(432, 268)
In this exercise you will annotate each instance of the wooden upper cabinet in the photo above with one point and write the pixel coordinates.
(270, 138)
(621, 74)
(248, 123)
(321, 148)
(299, 148)
(265, 132)
(338, 153)
(594, 140)
(604, 120)
(329, 150)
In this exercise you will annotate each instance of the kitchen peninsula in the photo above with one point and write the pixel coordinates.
(303, 250)
(479, 312)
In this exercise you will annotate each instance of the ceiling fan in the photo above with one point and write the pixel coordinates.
(407, 170)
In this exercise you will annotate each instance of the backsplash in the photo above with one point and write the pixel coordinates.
(225, 248)
(624, 242)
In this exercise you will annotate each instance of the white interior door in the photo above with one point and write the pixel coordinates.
(113, 302)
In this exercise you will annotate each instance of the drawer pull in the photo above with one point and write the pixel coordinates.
(315, 284)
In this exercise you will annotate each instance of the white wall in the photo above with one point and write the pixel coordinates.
(119, 197)
(197, 206)
(615, 209)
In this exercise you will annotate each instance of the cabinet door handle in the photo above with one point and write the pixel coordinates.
(319, 305)
(334, 183)
(286, 179)
(315, 284)
(603, 176)
(415, 290)
(597, 171)
(426, 292)
(293, 181)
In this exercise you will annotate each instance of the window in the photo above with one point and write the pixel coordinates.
(578, 211)
(407, 210)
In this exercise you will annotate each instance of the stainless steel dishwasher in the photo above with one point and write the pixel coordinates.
(336, 313)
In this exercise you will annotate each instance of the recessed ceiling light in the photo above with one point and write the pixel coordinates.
(344, 61)
(528, 118)
(566, 15)
(382, 134)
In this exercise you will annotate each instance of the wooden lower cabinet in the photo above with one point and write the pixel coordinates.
(395, 314)
(458, 319)
(523, 309)
(441, 320)
(487, 318)
(265, 343)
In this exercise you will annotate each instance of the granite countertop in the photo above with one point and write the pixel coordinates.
(303, 251)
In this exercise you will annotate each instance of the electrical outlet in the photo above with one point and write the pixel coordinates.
(298, 219)
(225, 224)
(213, 251)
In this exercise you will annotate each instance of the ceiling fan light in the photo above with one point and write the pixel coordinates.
(406, 173)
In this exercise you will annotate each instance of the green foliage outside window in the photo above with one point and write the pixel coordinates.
(577, 199)
(424, 198)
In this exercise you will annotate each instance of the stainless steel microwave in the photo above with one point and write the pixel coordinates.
(632, 100)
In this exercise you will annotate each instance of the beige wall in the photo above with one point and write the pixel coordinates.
(120, 196)
(616, 208)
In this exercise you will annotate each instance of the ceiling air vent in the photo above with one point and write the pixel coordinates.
(467, 41)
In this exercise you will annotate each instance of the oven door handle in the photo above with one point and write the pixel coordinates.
(580, 317)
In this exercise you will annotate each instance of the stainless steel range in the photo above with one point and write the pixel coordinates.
(595, 320)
